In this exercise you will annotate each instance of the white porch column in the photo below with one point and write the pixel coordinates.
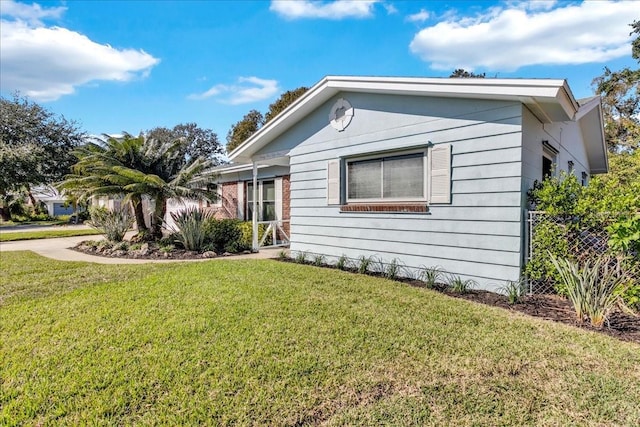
(254, 245)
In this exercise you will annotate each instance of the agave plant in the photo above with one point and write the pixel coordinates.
(113, 223)
(190, 224)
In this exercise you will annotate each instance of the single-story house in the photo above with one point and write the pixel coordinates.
(426, 171)
(56, 203)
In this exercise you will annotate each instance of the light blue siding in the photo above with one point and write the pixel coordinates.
(477, 236)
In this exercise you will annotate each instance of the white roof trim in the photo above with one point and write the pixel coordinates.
(550, 100)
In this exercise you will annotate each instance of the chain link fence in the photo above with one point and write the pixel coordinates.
(571, 237)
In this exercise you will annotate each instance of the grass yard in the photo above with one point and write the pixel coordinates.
(271, 343)
(45, 234)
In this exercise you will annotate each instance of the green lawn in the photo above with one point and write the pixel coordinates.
(46, 234)
(271, 343)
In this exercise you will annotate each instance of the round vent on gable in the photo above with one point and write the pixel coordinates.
(341, 114)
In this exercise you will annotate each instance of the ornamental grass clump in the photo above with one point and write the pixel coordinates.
(191, 231)
(515, 290)
(593, 286)
(113, 223)
(431, 276)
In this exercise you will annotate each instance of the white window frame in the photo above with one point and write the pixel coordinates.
(260, 205)
(381, 156)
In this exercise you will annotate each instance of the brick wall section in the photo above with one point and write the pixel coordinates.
(364, 207)
(286, 202)
(229, 208)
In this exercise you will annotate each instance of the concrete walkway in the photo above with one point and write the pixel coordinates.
(58, 248)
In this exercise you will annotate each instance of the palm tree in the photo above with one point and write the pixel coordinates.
(137, 167)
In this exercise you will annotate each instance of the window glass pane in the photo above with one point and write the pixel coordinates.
(250, 191)
(268, 211)
(269, 191)
(365, 179)
(404, 176)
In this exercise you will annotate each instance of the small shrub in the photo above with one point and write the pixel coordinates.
(112, 223)
(363, 264)
(166, 248)
(318, 260)
(121, 246)
(301, 257)
(342, 263)
(135, 247)
(593, 287)
(246, 240)
(392, 269)
(225, 235)
(190, 223)
(282, 255)
(460, 286)
(431, 276)
(515, 291)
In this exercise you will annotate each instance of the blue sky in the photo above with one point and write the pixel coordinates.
(133, 65)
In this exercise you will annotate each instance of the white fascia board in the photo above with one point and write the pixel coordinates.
(543, 92)
(591, 123)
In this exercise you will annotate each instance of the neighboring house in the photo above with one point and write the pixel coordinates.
(430, 172)
(56, 203)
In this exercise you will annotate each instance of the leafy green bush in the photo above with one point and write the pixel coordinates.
(225, 235)
(190, 223)
(247, 234)
(550, 237)
(624, 235)
(112, 223)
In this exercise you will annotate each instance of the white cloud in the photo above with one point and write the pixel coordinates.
(505, 39)
(248, 89)
(421, 16)
(33, 13)
(46, 63)
(390, 8)
(338, 9)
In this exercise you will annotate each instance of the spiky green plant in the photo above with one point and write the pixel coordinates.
(515, 290)
(301, 257)
(392, 269)
(431, 276)
(363, 264)
(318, 260)
(593, 286)
(190, 224)
(113, 223)
(459, 285)
(342, 263)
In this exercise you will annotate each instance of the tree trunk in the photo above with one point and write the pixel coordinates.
(136, 203)
(159, 212)
(5, 212)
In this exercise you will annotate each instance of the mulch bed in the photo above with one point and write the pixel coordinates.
(621, 325)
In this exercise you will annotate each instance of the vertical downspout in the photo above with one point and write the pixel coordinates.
(254, 245)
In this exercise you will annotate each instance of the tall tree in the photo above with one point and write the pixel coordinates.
(198, 142)
(139, 166)
(241, 131)
(620, 93)
(35, 146)
(283, 102)
(254, 120)
(464, 74)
